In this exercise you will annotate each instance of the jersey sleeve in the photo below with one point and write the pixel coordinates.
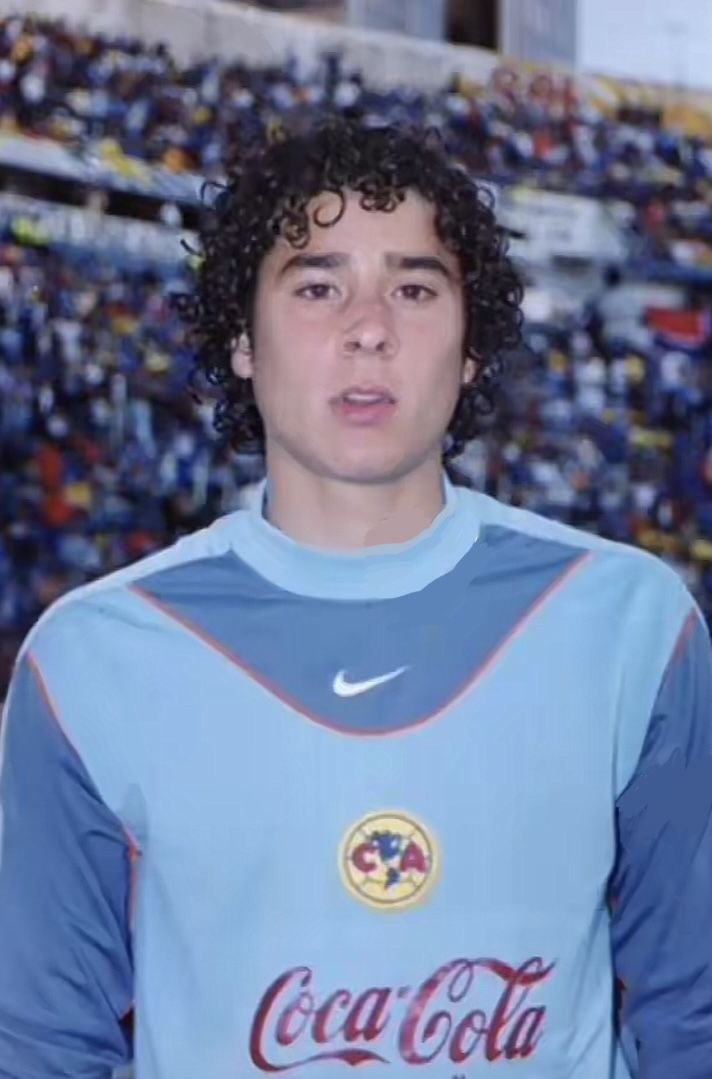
(65, 880)
(661, 888)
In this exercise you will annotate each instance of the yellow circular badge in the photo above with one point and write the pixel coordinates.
(389, 861)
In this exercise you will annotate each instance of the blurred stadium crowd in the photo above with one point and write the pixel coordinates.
(103, 455)
(75, 88)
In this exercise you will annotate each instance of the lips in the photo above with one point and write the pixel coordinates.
(366, 395)
(364, 405)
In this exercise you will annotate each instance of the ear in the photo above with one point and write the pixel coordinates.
(469, 370)
(242, 359)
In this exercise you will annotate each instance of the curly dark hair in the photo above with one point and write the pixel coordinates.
(267, 190)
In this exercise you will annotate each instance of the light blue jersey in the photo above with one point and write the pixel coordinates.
(424, 811)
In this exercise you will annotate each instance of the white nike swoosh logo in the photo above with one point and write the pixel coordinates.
(342, 688)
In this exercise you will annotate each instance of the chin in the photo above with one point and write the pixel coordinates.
(374, 471)
(371, 465)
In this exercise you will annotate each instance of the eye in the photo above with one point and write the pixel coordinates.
(318, 290)
(417, 293)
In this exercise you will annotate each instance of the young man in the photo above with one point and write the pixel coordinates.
(378, 771)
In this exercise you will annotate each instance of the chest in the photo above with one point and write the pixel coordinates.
(503, 773)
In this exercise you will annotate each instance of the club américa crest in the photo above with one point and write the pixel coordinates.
(389, 860)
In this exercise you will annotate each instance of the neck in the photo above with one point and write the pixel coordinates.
(323, 512)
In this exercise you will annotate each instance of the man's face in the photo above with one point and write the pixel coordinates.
(357, 361)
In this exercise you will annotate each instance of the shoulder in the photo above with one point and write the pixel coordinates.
(211, 542)
(644, 572)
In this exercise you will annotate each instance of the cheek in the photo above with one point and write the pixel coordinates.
(289, 371)
(290, 334)
(440, 329)
(439, 357)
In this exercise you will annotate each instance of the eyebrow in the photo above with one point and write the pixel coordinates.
(334, 260)
(330, 261)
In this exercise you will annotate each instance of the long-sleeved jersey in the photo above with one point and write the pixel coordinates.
(435, 809)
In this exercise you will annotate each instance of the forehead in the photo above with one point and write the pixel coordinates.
(409, 227)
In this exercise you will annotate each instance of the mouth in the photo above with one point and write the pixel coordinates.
(364, 406)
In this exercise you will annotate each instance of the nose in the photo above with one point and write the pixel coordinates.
(370, 333)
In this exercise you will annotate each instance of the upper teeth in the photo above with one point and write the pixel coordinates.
(355, 396)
